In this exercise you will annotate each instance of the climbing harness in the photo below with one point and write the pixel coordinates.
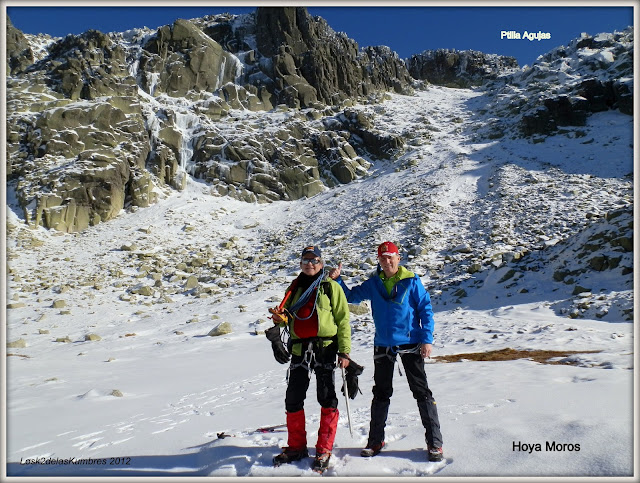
(309, 362)
(392, 352)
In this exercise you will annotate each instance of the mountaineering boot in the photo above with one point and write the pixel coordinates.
(296, 442)
(429, 416)
(288, 456)
(327, 431)
(372, 449)
(435, 454)
(321, 462)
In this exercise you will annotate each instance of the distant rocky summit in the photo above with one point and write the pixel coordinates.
(259, 106)
(454, 68)
(565, 86)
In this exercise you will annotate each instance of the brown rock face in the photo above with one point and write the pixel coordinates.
(311, 62)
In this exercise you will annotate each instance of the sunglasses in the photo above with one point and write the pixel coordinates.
(313, 261)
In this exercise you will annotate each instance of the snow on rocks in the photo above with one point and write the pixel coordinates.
(456, 202)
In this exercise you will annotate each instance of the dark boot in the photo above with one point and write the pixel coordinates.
(321, 462)
(289, 456)
(435, 454)
(327, 432)
(379, 411)
(370, 451)
(429, 415)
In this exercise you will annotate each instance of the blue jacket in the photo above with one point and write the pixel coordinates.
(405, 317)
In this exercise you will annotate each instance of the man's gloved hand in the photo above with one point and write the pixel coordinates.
(352, 372)
(279, 350)
(279, 316)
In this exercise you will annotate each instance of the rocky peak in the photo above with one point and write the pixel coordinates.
(302, 61)
(19, 53)
(291, 26)
(453, 68)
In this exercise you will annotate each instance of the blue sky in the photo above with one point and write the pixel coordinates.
(407, 30)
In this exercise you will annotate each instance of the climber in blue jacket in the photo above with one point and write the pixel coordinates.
(403, 318)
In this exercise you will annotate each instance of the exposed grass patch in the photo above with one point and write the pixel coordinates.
(508, 354)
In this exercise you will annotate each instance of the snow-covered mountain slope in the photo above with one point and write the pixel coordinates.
(522, 245)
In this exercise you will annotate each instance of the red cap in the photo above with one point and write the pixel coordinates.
(387, 248)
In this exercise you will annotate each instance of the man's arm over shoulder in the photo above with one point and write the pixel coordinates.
(358, 293)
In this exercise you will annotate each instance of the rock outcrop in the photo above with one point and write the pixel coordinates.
(182, 58)
(19, 53)
(602, 79)
(301, 61)
(75, 164)
(104, 122)
(453, 68)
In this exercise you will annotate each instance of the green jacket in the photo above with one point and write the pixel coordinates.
(389, 283)
(333, 316)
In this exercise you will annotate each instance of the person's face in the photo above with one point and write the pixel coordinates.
(389, 264)
(310, 268)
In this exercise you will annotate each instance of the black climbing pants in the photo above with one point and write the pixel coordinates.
(384, 363)
(323, 364)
